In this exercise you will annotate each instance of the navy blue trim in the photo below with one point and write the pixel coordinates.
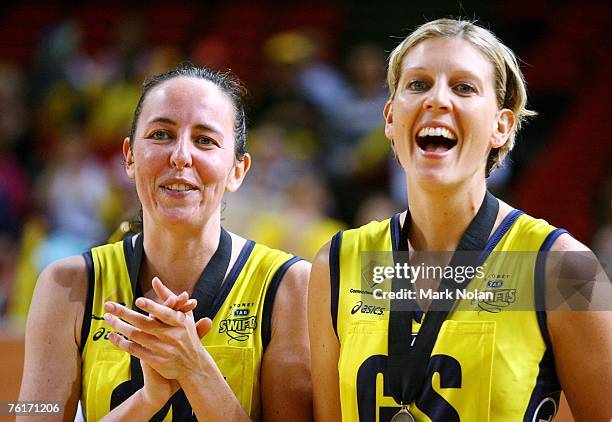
(396, 230)
(91, 278)
(266, 319)
(128, 252)
(547, 382)
(502, 229)
(547, 385)
(539, 278)
(334, 277)
(498, 234)
(226, 287)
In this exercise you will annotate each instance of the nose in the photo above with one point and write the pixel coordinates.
(438, 99)
(181, 154)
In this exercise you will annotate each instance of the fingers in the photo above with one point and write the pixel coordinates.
(163, 313)
(133, 348)
(134, 318)
(189, 306)
(203, 326)
(135, 335)
(181, 303)
(161, 290)
(177, 302)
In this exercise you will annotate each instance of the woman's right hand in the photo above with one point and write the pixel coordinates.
(157, 390)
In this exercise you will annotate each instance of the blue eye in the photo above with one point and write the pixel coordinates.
(417, 85)
(206, 141)
(160, 135)
(464, 88)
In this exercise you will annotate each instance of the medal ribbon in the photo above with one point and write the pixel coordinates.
(407, 366)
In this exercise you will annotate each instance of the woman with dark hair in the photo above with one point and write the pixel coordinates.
(457, 98)
(110, 328)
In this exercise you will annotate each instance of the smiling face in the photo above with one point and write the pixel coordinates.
(444, 118)
(182, 157)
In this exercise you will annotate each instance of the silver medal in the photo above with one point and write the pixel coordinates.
(403, 416)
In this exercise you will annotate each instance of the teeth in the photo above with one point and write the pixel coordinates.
(178, 187)
(436, 131)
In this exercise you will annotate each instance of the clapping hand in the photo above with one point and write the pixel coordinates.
(163, 340)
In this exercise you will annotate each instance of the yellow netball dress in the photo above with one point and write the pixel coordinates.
(492, 359)
(241, 312)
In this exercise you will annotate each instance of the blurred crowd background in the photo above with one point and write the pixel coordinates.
(70, 76)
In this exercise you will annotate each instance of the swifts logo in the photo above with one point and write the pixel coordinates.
(239, 325)
(367, 309)
(502, 298)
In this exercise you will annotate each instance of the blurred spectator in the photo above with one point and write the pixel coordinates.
(376, 207)
(278, 99)
(14, 180)
(351, 107)
(73, 188)
(354, 148)
(302, 226)
(315, 110)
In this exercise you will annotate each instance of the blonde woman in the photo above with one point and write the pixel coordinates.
(457, 99)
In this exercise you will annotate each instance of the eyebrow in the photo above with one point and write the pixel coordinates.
(463, 72)
(200, 126)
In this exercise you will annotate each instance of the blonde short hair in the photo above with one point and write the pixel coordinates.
(510, 84)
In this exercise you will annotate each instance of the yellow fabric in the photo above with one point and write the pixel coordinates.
(234, 342)
(487, 361)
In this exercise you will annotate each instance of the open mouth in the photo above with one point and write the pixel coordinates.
(438, 140)
(179, 187)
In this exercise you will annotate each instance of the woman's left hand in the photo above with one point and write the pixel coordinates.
(168, 340)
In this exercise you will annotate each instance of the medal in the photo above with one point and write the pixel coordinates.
(403, 416)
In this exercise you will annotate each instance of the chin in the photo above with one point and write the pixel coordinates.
(433, 179)
(178, 218)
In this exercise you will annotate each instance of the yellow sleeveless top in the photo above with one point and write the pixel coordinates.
(492, 359)
(241, 315)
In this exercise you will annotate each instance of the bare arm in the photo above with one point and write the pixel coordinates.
(582, 345)
(286, 385)
(324, 344)
(52, 367)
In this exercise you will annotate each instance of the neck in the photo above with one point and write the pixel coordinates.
(440, 218)
(177, 257)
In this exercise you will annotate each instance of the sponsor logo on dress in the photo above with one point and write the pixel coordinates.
(367, 309)
(496, 301)
(240, 324)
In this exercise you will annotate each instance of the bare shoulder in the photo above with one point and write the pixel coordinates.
(567, 243)
(580, 327)
(319, 287)
(322, 257)
(52, 361)
(65, 280)
(60, 294)
(296, 278)
(286, 386)
(292, 292)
